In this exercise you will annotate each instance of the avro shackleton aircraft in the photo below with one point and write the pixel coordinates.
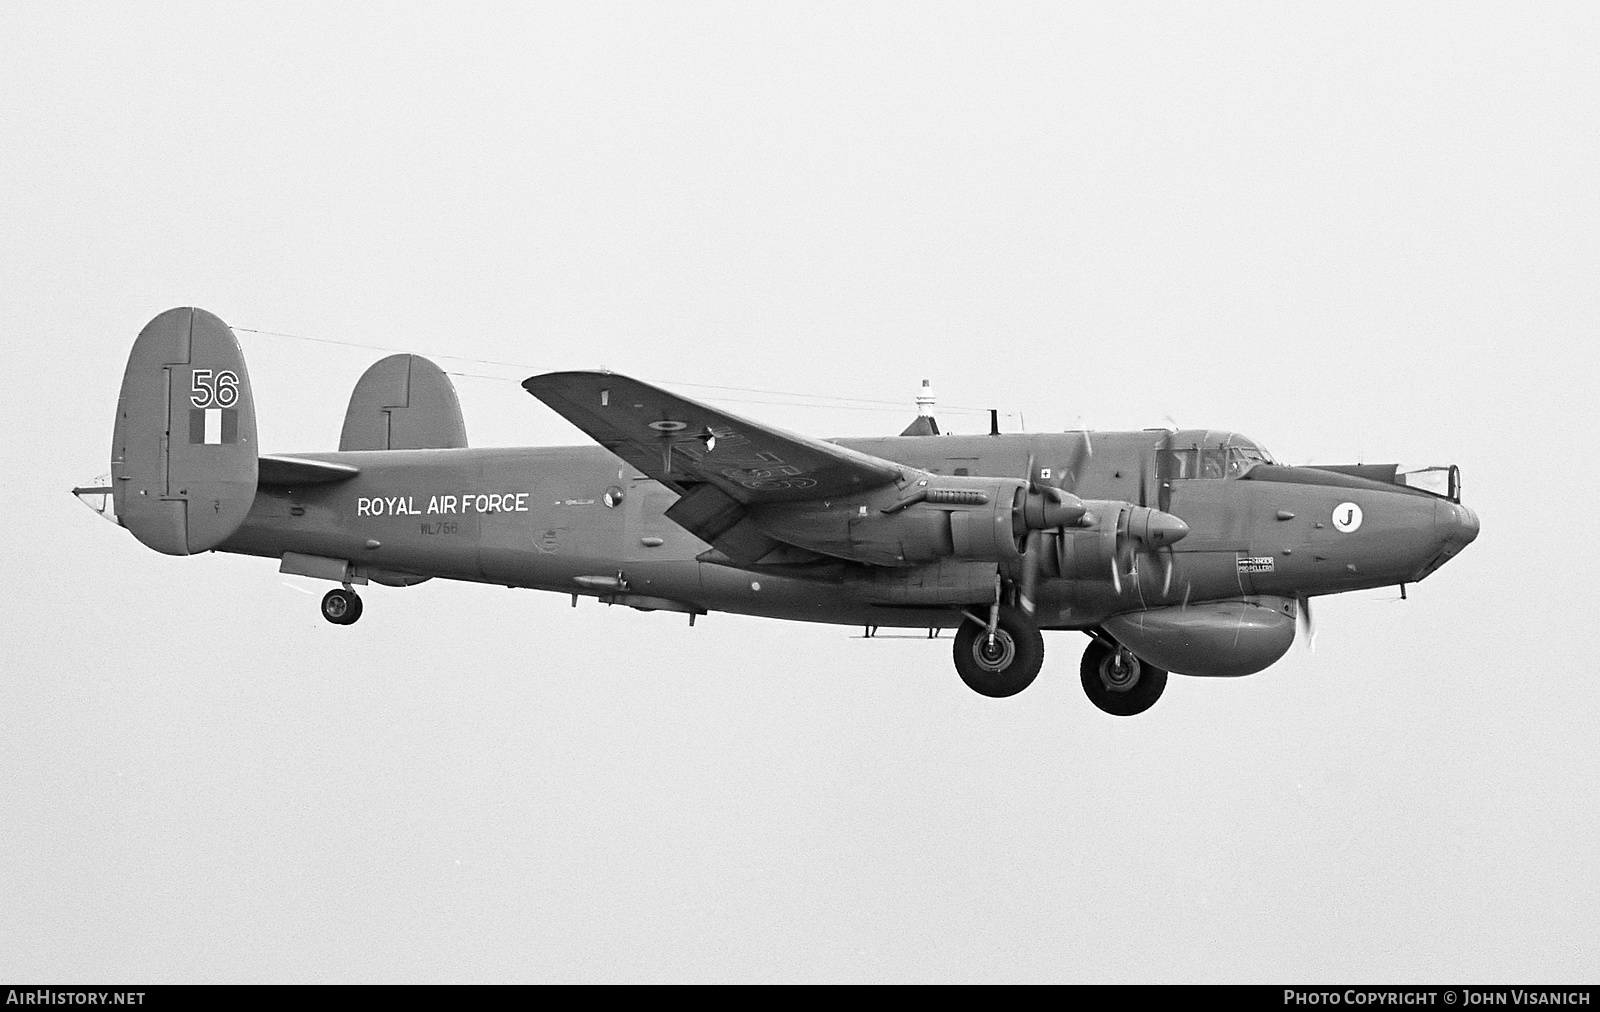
(1188, 551)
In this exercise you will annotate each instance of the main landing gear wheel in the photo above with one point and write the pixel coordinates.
(340, 606)
(1118, 682)
(1007, 664)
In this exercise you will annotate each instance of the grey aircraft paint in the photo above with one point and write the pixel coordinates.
(1190, 551)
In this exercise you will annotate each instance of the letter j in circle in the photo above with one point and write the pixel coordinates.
(1347, 517)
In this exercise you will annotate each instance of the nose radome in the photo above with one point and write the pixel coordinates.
(1461, 524)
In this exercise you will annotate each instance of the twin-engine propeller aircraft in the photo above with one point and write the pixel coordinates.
(1188, 551)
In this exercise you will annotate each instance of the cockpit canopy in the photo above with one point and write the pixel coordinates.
(1203, 453)
(1206, 453)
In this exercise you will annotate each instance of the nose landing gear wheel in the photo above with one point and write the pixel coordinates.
(340, 606)
(1118, 682)
(1004, 666)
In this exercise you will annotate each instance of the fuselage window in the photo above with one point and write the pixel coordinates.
(1176, 464)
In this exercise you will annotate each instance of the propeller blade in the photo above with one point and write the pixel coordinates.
(1030, 572)
(1166, 579)
(1306, 625)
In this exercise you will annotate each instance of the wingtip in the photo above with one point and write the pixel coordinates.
(552, 377)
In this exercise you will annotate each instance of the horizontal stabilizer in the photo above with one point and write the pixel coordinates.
(281, 470)
(403, 402)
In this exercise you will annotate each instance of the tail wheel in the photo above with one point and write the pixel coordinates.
(340, 606)
(1004, 665)
(1118, 682)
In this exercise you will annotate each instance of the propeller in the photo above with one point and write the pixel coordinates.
(1303, 611)
(1047, 509)
(1169, 530)
(1143, 530)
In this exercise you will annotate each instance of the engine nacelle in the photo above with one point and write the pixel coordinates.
(940, 518)
(1223, 639)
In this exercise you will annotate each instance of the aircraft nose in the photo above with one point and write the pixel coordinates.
(1454, 528)
(1458, 524)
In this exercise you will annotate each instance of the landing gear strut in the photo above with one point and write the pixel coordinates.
(1002, 664)
(341, 606)
(1118, 682)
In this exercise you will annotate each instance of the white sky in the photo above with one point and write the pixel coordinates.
(1351, 231)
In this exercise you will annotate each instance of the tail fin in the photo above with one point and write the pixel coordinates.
(403, 402)
(183, 454)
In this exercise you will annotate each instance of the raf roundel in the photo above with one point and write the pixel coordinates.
(1347, 517)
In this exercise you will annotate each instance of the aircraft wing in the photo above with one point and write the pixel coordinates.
(682, 443)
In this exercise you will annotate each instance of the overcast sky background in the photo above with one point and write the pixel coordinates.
(1353, 232)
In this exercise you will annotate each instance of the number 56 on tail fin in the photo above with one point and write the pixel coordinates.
(183, 455)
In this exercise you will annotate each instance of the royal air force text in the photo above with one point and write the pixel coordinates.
(442, 505)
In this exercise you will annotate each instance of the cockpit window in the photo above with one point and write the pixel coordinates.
(1243, 458)
(1177, 464)
(1229, 461)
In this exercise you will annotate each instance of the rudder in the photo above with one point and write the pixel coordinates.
(183, 453)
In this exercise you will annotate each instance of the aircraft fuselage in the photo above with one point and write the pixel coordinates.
(577, 520)
(1188, 552)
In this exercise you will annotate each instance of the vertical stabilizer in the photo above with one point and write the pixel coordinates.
(183, 454)
(403, 402)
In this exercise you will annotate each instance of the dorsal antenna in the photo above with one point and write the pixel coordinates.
(923, 424)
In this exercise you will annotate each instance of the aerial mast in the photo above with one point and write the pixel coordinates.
(923, 424)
